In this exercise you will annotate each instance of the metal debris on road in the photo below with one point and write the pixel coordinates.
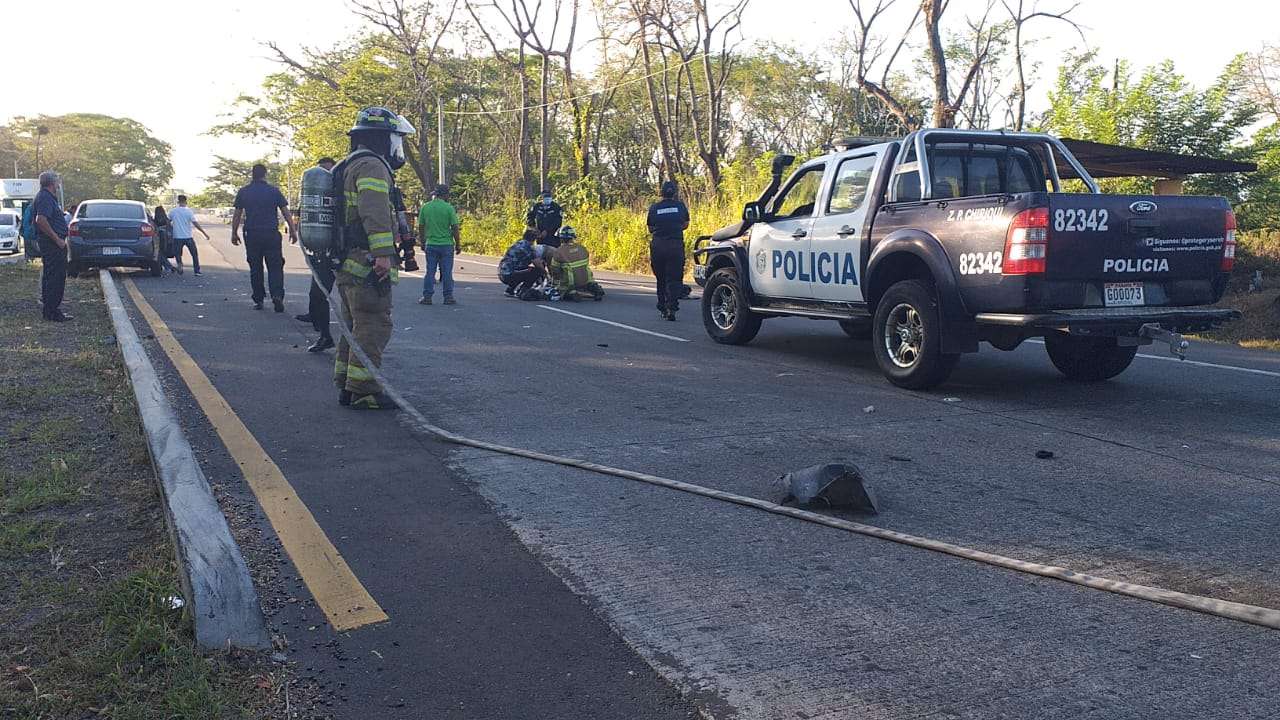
(869, 409)
(834, 485)
(951, 399)
(1044, 454)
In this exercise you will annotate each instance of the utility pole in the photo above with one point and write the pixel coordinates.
(41, 131)
(440, 138)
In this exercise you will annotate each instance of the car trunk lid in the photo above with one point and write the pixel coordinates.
(109, 229)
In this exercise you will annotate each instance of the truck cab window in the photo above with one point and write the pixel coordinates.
(974, 170)
(799, 198)
(853, 179)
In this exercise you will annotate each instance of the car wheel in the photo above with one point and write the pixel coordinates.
(907, 337)
(725, 311)
(857, 329)
(1088, 359)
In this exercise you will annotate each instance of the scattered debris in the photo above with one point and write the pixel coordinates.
(1044, 454)
(834, 485)
(602, 344)
(174, 602)
(869, 409)
(899, 458)
(951, 399)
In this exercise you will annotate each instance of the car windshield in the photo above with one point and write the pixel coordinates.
(115, 211)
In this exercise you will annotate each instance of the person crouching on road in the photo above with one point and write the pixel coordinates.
(571, 269)
(668, 219)
(368, 272)
(522, 267)
(441, 240)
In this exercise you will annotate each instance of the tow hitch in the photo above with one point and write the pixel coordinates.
(1177, 345)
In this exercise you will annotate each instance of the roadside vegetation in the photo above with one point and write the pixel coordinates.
(87, 575)
(1260, 326)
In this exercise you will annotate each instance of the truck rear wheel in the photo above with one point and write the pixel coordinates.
(726, 314)
(1088, 359)
(907, 337)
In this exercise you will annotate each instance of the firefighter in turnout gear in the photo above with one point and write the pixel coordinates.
(571, 269)
(368, 271)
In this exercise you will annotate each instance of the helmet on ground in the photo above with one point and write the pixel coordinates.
(380, 119)
(568, 233)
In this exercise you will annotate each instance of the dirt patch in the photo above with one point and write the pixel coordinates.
(88, 583)
(1260, 326)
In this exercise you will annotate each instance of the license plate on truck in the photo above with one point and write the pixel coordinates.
(1122, 294)
(111, 251)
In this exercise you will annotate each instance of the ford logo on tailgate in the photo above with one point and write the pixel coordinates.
(1142, 207)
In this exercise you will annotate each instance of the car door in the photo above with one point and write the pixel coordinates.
(836, 235)
(780, 262)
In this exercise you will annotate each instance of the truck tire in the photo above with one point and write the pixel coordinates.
(1088, 359)
(856, 329)
(726, 314)
(907, 337)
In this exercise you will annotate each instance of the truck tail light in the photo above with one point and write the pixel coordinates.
(148, 230)
(1229, 244)
(1027, 243)
(73, 230)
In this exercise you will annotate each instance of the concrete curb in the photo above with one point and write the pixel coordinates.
(215, 579)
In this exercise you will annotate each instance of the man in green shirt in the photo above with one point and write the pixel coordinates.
(441, 239)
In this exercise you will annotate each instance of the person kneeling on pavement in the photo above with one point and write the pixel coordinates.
(522, 267)
(571, 269)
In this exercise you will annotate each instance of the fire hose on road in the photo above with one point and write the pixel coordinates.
(1253, 614)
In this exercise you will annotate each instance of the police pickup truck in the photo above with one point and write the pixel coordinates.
(947, 238)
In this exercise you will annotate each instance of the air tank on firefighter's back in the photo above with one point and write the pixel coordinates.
(317, 212)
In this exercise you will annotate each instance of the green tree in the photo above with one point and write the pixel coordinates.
(1157, 110)
(98, 156)
(229, 175)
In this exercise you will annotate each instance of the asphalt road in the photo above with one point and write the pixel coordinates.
(1168, 475)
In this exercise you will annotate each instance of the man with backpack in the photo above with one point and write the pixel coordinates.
(368, 270)
(49, 226)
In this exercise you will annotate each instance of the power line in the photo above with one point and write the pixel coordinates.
(624, 83)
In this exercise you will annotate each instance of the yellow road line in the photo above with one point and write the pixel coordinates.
(340, 595)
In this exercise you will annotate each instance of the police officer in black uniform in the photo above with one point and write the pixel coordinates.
(668, 219)
(546, 216)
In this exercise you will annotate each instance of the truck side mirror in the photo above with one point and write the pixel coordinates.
(752, 212)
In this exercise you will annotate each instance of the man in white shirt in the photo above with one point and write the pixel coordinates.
(183, 220)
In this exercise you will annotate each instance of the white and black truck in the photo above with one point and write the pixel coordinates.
(934, 243)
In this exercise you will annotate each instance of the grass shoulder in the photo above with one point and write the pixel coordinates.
(87, 575)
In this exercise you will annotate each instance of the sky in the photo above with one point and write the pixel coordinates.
(177, 66)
